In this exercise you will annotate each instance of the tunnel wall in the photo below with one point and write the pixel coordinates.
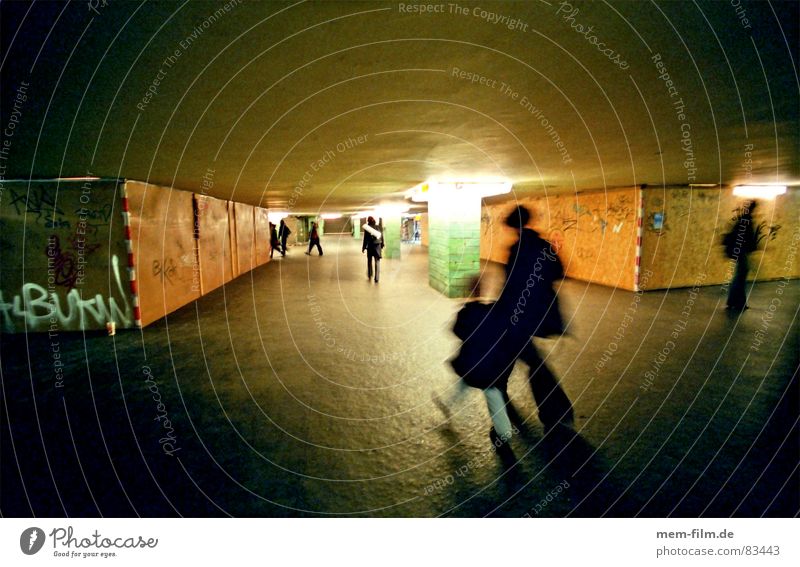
(687, 249)
(164, 250)
(77, 253)
(594, 233)
(63, 257)
(245, 237)
(214, 234)
(261, 220)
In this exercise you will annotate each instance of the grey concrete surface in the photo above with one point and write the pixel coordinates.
(303, 389)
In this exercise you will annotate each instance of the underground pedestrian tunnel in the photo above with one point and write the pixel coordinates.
(158, 360)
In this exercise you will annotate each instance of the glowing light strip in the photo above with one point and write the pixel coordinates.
(759, 191)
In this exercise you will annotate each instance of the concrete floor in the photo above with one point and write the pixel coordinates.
(302, 389)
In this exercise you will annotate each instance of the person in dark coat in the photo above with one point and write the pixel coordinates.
(372, 245)
(313, 239)
(483, 363)
(739, 242)
(529, 306)
(274, 243)
(283, 234)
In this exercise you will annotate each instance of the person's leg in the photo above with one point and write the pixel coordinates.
(369, 265)
(377, 269)
(319, 247)
(496, 402)
(737, 295)
(553, 403)
(310, 246)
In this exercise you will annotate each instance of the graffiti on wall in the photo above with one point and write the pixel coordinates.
(36, 309)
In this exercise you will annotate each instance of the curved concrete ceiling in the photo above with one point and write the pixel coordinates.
(341, 105)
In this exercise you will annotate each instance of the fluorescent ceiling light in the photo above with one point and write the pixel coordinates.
(330, 216)
(478, 188)
(759, 191)
(276, 216)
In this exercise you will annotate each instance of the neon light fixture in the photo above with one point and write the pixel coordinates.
(759, 191)
(477, 188)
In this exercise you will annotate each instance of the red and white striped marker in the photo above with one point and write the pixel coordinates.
(639, 230)
(137, 311)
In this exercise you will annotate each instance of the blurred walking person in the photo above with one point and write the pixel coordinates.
(483, 363)
(739, 242)
(529, 307)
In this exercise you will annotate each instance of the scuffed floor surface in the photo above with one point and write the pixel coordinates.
(302, 389)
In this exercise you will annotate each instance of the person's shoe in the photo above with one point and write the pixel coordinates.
(307, 253)
(503, 448)
(566, 423)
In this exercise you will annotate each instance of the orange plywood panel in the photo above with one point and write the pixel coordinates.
(245, 237)
(685, 248)
(215, 251)
(63, 259)
(234, 246)
(594, 233)
(262, 235)
(164, 248)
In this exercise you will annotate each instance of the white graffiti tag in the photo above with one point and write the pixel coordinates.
(38, 310)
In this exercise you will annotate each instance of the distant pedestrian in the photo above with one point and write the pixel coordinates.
(529, 307)
(483, 362)
(739, 242)
(314, 240)
(274, 243)
(373, 244)
(283, 234)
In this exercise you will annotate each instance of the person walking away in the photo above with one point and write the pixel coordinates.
(283, 234)
(274, 243)
(739, 242)
(372, 245)
(529, 307)
(314, 240)
(483, 363)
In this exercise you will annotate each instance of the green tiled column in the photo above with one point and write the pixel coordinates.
(391, 236)
(454, 243)
(356, 221)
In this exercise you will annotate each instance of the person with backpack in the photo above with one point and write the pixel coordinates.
(372, 245)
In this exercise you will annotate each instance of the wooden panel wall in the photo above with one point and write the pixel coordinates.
(687, 248)
(216, 256)
(594, 233)
(262, 235)
(164, 248)
(245, 237)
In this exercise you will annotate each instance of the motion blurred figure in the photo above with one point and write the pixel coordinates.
(529, 307)
(482, 363)
(739, 242)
